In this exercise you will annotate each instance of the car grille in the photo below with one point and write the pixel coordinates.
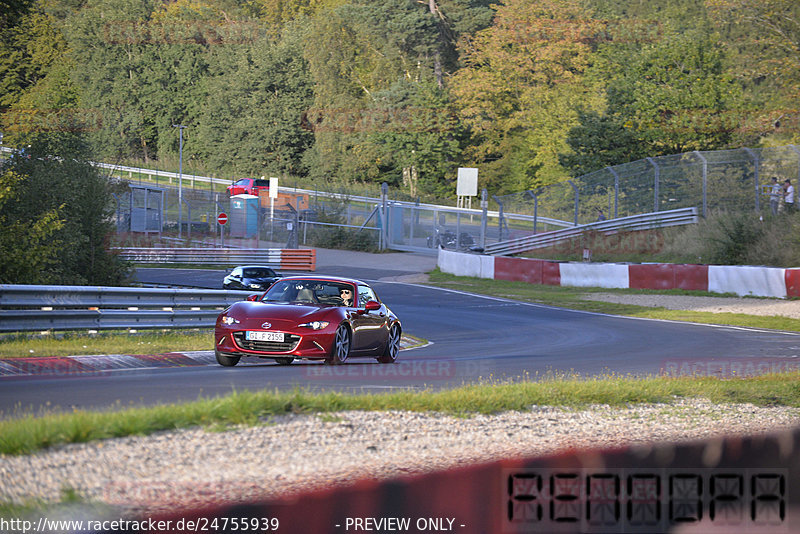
(290, 341)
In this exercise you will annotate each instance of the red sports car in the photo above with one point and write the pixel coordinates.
(310, 317)
(248, 186)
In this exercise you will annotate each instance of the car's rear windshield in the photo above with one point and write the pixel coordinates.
(262, 183)
(258, 273)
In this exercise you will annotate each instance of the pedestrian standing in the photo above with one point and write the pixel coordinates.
(788, 196)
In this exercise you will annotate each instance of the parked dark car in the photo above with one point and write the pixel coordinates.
(250, 277)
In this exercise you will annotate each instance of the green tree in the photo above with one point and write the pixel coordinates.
(669, 96)
(519, 86)
(763, 41)
(29, 247)
(67, 205)
(253, 121)
(372, 65)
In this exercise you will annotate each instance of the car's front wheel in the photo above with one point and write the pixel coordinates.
(392, 346)
(226, 361)
(341, 346)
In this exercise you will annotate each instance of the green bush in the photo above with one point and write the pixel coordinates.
(737, 238)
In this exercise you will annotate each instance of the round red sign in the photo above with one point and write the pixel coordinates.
(222, 218)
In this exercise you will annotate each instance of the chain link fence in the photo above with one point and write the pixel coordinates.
(709, 180)
(730, 180)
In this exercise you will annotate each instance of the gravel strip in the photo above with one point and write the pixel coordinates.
(297, 453)
(751, 306)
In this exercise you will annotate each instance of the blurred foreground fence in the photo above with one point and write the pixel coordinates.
(734, 484)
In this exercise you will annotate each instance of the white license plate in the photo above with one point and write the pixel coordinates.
(264, 336)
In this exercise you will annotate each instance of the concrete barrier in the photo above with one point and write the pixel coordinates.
(745, 281)
(609, 275)
(461, 264)
(741, 280)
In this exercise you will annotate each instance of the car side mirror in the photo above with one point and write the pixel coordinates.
(252, 298)
(372, 305)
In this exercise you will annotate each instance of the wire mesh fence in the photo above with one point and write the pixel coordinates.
(732, 180)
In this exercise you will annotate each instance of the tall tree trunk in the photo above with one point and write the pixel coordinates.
(437, 59)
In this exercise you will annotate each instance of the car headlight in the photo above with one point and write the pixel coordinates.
(255, 286)
(228, 320)
(316, 325)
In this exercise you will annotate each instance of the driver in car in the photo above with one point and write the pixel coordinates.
(347, 296)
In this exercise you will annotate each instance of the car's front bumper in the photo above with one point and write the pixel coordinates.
(306, 344)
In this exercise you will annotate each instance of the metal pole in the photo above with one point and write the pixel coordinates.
(384, 225)
(793, 147)
(616, 193)
(577, 201)
(705, 181)
(499, 218)
(484, 217)
(535, 209)
(180, 178)
(657, 173)
(756, 173)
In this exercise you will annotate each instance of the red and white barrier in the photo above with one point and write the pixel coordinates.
(741, 280)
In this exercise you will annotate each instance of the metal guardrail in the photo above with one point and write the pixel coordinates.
(286, 259)
(27, 308)
(661, 219)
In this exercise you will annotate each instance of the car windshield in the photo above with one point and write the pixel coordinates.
(258, 273)
(308, 292)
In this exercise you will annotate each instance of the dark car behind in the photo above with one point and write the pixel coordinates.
(250, 277)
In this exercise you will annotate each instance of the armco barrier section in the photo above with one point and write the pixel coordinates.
(732, 484)
(285, 259)
(740, 280)
(26, 308)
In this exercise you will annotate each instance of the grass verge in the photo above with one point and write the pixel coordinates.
(572, 298)
(22, 434)
(80, 343)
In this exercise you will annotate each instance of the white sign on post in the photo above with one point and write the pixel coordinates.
(273, 187)
(467, 185)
